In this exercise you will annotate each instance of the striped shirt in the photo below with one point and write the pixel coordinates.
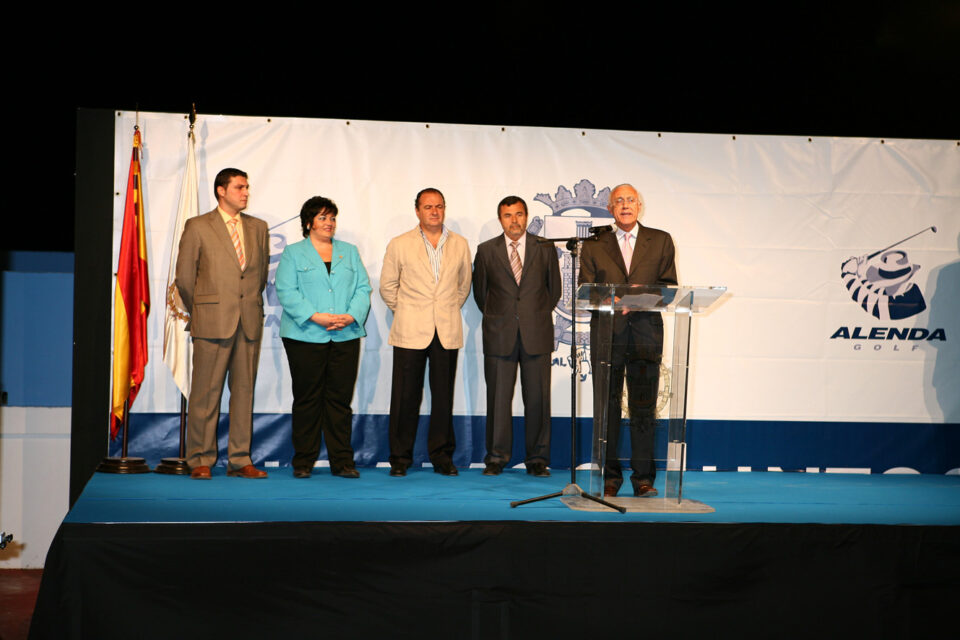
(435, 254)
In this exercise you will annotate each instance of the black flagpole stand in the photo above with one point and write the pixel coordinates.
(572, 488)
(178, 466)
(124, 464)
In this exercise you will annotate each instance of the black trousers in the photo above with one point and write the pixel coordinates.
(500, 373)
(642, 373)
(324, 375)
(409, 366)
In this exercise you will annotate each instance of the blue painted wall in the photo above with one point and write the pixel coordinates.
(37, 324)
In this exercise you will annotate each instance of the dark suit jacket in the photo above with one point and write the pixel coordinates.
(509, 308)
(652, 263)
(216, 293)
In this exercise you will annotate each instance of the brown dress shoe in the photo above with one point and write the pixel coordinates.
(200, 473)
(248, 471)
(644, 490)
(610, 490)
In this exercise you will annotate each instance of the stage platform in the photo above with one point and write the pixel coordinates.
(782, 554)
(424, 496)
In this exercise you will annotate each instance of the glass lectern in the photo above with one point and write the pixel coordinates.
(631, 336)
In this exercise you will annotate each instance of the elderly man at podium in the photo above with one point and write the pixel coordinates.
(631, 254)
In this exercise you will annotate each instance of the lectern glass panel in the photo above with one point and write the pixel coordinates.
(639, 356)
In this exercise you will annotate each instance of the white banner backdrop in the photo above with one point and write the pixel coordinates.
(775, 219)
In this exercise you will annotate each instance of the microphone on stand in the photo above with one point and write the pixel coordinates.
(599, 230)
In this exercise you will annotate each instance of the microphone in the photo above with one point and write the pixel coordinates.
(598, 230)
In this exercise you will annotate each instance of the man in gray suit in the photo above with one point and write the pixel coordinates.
(516, 284)
(632, 254)
(221, 272)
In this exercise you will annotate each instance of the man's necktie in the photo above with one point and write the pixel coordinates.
(627, 250)
(515, 261)
(235, 236)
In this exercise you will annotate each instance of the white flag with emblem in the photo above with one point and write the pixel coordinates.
(177, 349)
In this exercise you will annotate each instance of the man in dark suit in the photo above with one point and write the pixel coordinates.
(221, 272)
(516, 283)
(632, 254)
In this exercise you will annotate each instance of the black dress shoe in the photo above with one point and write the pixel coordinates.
(301, 472)
(398, 470)
(538, 470)
(446, 468)
(492, 469)
(347, 472)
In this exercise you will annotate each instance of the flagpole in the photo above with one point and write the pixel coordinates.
(126, 421)
(125, 463)
(175, 336)
(131, 306)
(183, 427)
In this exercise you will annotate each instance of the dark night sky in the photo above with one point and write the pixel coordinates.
(877, 69)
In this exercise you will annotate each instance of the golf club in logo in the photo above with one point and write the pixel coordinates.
(272, 310)
(882, 282)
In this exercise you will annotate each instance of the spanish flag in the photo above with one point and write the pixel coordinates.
(132, 297)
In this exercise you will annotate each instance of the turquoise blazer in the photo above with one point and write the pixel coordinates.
(304, 287)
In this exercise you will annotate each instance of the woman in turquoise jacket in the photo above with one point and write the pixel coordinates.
(325, 294)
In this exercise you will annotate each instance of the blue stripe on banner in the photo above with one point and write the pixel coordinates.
(724, 444)
(156, 435)
(879, 446)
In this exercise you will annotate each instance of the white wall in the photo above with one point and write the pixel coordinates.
(34, 481)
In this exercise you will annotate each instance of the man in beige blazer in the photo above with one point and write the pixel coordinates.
(221, 272)
(425, 280)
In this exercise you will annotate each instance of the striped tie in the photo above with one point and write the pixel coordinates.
(235, 236)
(515, 261)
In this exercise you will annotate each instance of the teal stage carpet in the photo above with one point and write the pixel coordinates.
(424, 496)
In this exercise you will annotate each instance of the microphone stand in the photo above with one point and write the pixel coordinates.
(572, 488)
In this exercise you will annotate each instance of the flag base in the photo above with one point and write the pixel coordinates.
(173, 467)
(123, 465)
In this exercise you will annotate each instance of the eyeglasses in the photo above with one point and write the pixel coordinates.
(630, 200)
